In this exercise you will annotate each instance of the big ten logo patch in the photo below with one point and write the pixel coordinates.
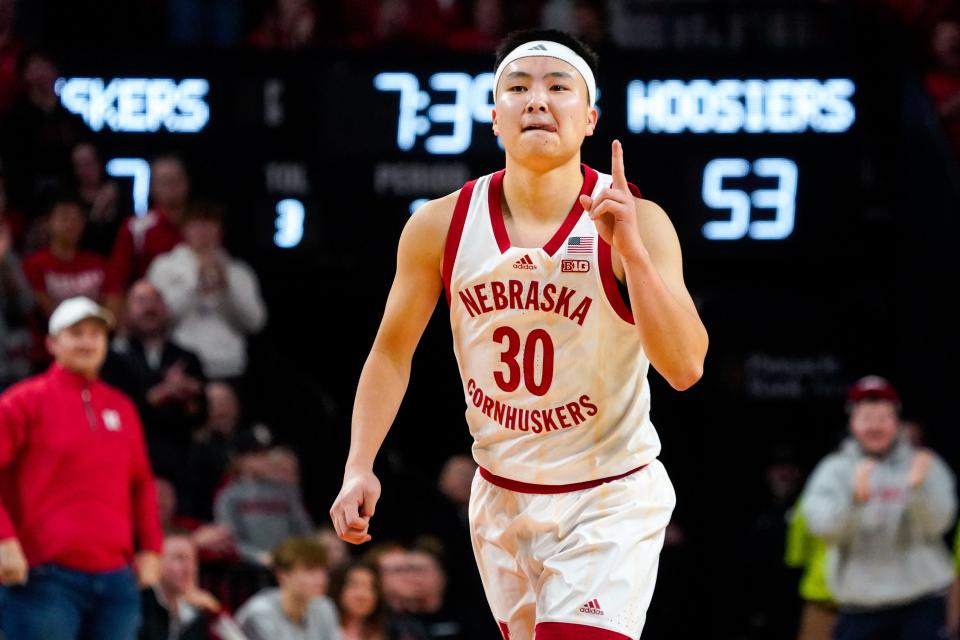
(575, 266)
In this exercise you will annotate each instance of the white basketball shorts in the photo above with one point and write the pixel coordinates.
(579, 565)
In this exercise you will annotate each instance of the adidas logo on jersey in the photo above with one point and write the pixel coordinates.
(592, 607)
(524, 263)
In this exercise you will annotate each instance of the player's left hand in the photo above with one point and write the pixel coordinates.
(614, 211)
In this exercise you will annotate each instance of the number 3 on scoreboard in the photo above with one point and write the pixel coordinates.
(511, 381)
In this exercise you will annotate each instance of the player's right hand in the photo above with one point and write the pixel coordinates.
(353, 508)
(13, 564)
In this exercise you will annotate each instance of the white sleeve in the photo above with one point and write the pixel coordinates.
(244, 303)
(827, 501)
(176, 282)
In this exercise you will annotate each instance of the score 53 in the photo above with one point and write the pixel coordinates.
(471, 103)
(740, 204)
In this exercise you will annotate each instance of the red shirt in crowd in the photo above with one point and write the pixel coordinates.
(75, 482)
(61, 279)
(139, 241)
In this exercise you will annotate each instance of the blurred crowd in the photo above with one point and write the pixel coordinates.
(457, 25)
(864, 541)
(461, 25)
(242, 556)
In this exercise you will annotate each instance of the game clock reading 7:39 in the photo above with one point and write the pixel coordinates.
(443, 114)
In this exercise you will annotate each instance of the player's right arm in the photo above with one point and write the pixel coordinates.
(385, 375)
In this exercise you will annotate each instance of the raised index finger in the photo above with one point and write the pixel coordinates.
(616, 170)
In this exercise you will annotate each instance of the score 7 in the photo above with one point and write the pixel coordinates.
(782, 199)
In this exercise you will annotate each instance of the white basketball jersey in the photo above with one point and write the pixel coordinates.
(554, 374)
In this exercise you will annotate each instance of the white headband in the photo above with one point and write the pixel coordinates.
(551, 50)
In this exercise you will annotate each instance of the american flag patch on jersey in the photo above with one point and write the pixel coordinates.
(579, 244)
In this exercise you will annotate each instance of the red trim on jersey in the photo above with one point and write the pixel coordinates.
(609, 280)
(570, 631)
(553, 244)
(589, 182)
(526, 487)
(455, 233)
(496, 211)
(504, 630)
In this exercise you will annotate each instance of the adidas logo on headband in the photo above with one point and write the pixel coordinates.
(553, 50)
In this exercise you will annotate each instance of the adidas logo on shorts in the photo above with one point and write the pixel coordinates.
(592, 607)
(524, 263)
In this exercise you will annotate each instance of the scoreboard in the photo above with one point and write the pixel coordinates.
(321, 159)
(745, 159)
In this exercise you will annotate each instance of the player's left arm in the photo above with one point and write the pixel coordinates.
(671, 331)
(646, 255)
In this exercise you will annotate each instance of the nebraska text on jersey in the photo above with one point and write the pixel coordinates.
(553, 370)
(528, 295)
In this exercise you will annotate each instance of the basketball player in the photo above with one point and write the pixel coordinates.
(564, 286)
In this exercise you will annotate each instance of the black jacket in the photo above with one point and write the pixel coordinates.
(168, 427)
(156, 621)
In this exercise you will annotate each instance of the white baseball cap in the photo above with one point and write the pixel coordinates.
(73, 310)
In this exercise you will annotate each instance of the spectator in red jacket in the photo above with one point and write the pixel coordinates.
(141, 239)
(76, 494)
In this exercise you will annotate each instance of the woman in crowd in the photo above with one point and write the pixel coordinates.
(356, 592)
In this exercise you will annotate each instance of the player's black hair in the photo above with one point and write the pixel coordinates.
(516, 38)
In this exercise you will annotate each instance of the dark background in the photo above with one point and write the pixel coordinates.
(865, 284)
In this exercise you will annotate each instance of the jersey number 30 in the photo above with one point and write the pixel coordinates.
(509, 337)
